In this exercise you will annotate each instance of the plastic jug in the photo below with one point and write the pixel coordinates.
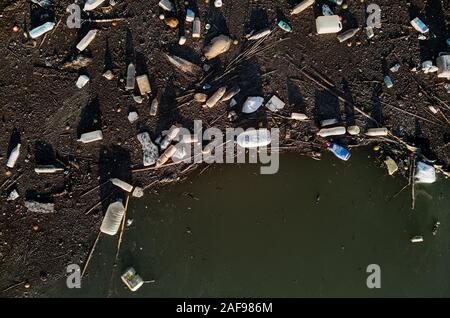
(328, 24)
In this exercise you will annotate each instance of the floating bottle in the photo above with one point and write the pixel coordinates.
(13, 156)
(40, 30)
(339, 151)
(113, 218)
(131, 77)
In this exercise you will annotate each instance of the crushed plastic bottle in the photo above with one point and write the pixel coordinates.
(86, 40)
(113, 218)
(40, 30)
(339, 151)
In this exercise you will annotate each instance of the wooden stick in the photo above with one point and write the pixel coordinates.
(94, 188)
(413, 203)
(119, 242)
(90, 254)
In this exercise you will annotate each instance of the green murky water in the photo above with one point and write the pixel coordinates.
(233, 232)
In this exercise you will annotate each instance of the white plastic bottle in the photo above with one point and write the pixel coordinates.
(13, 157)
(40, 30)
(113, 218)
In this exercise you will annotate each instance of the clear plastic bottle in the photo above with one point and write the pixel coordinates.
(113, 218)
(131, 77)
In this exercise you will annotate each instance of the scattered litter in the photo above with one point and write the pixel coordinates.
(375, 132)
(143, 84)
(335, 131)
(108, 75)
(231, 93)
(233, 102)
(40, 30)
(388, 81)
(216, 97)
(43, 3)
(133, 116)
(190, 15)
(326, 10)
(344, 36)
(417, 239)
(13, 195)
(328, 122)
(252, 104)
(113, 217)
(391, 165)
(395, 68)
(182, 40)
(436, 227)
(369, 32)
(184, 65)
(425, 173)
(121, 184)
(86, 40)
(82, 81)
(171, 22)
(166, 5)
(443, 66)
(137, 98)
(275, 104)
(166, 155)
(302, 6)
(339, 151)
(419, 25)
(328, 24)
(13, 156)
(258, 35)
(154, 106)
(38, 207)
(428, 67)
(299, 116)
(150, 150)
(129, 222)
(219, 45)
(131, 77)
(196, 28)
(218, 3)
(285, 26)
(433, 109)
(200, 97)
(131, 279)
(91, 136)
(170, 136)
(138, 192)
(353, 130)
(254, 138)
(92, 4)
(47, 169)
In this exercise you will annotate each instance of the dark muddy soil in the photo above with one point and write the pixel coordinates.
(42, 107)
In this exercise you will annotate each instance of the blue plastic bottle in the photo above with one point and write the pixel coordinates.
(339, 151)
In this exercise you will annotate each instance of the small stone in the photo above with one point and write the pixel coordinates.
(12, 195)
(27, 285)
(182, 40)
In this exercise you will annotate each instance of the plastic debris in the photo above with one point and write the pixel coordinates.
(131, 279)
(254, 138)
(131, 77)
(353, 130)
(170, 136)
(388, 81)
(47, 169)
(302, 6)
(40, 30)
(143, 84)
(171, 22)
(252, 104)
(335, 131)
(12, 195)
(155, 105)
(436, 227)
(113, 218)
(375, 132)
(166, 5)
(166, 156)
(395, 68)
(200, 97)
(417, 239)
(190, 15)
(328, 122)
(150, 150)
(184, 65)
(443, 66)
(121, 184)
(91, 136)
(428, 67)
(220, 44)
(298, 116)
(82, 81)
(326, 10)
(275, 104)
(13, 156)
(369, 32)
(108, 75)
(391, 165)
(231, 93)
(285, 26)
(344, 36)
(328, 24)
(419, 25)
(92, 4)
(218, 3)
(137, 98)
(425, 173)
(133, 116)
(339, 151)
(182, 40)
(196, 28)
(138, 192)
(43, 3)
(258, 35)
(216, 97)
(38, 207)
(86, 40)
